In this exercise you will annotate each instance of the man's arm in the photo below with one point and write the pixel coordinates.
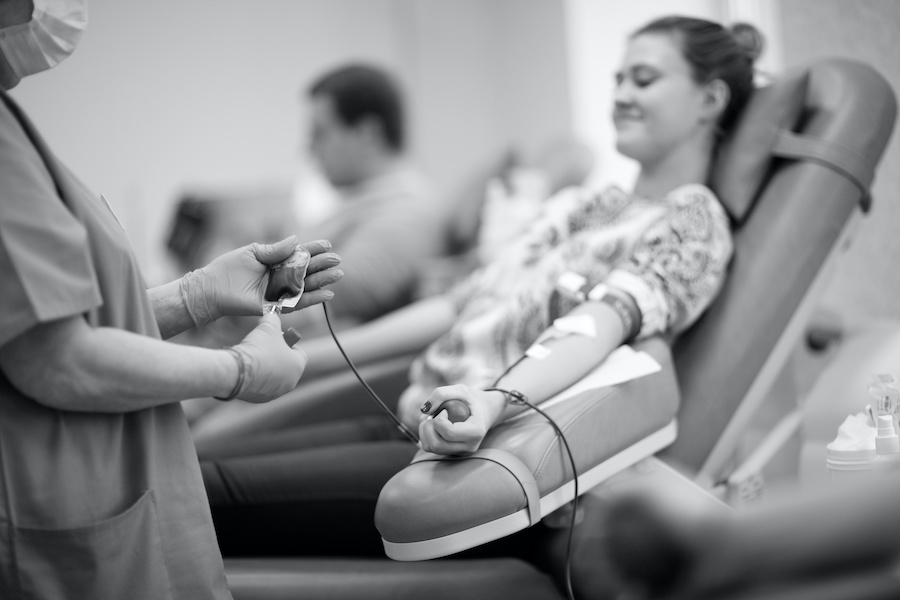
(408, 329)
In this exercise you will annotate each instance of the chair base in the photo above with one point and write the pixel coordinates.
(343, 578)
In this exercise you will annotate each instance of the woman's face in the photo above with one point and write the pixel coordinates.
(658, 104)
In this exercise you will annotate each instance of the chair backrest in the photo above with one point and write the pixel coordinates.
(793, 173)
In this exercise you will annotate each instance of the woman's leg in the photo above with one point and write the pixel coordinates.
(369, 428)
(309, 491)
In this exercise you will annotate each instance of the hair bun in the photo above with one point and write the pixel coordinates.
(749, 39)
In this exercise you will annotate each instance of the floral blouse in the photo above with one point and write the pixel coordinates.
(670, 254)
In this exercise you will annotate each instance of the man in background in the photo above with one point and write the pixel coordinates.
(387, 223)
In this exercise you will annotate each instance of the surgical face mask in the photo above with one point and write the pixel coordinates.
(49, 37)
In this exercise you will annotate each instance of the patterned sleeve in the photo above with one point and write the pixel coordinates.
(679, 264)
(550, 226)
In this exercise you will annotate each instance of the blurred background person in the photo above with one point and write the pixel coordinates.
(828, 543)
(380, 213)
(387, 222)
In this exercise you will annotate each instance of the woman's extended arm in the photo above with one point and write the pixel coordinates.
(680, 264)
(570, 359)
(68, 365)
(408, 329)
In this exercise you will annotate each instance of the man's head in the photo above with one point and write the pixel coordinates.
(357, 123)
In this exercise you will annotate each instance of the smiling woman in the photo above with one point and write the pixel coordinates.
(666, 103)
(654, 259)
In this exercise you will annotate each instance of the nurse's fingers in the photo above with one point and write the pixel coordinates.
(317, 247)
(272, 254)
(325, 260)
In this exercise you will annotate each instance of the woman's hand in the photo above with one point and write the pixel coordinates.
(438, 434)
(410, 403)
(234, 284)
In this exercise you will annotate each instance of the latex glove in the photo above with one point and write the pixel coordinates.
(270, 367)
(234, 283)
(439, 435)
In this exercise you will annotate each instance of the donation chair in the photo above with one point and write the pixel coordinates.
(794, 177)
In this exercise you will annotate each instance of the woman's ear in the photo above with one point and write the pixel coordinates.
(716, 97)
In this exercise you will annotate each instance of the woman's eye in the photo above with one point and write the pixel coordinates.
(638, 78)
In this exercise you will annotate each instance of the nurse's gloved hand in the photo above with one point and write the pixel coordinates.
(269, 368)
(234, 284)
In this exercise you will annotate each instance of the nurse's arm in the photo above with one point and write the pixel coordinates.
(172, 315)
(68, 365)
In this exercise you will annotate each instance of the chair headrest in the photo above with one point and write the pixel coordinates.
(792, 195)
(745, 154)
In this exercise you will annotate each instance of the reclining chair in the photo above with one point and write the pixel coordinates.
(794, 176)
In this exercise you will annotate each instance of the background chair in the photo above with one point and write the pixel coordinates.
(793, 177)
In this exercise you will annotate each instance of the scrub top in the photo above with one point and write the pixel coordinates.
(92, 505)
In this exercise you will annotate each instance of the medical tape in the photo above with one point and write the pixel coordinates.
(538, 351)
(573, 284)
(562, 327)
(576, 325)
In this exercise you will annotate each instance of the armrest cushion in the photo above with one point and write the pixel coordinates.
(743, 160)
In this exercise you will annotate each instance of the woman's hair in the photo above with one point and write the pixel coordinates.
(715, 52)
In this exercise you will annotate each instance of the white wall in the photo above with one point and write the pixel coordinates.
(165, 95)
(867, 283)
(597, 33)
(490, 74)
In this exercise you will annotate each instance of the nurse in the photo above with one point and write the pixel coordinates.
(100, 489)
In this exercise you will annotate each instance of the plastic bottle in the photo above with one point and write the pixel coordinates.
(887, 446)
